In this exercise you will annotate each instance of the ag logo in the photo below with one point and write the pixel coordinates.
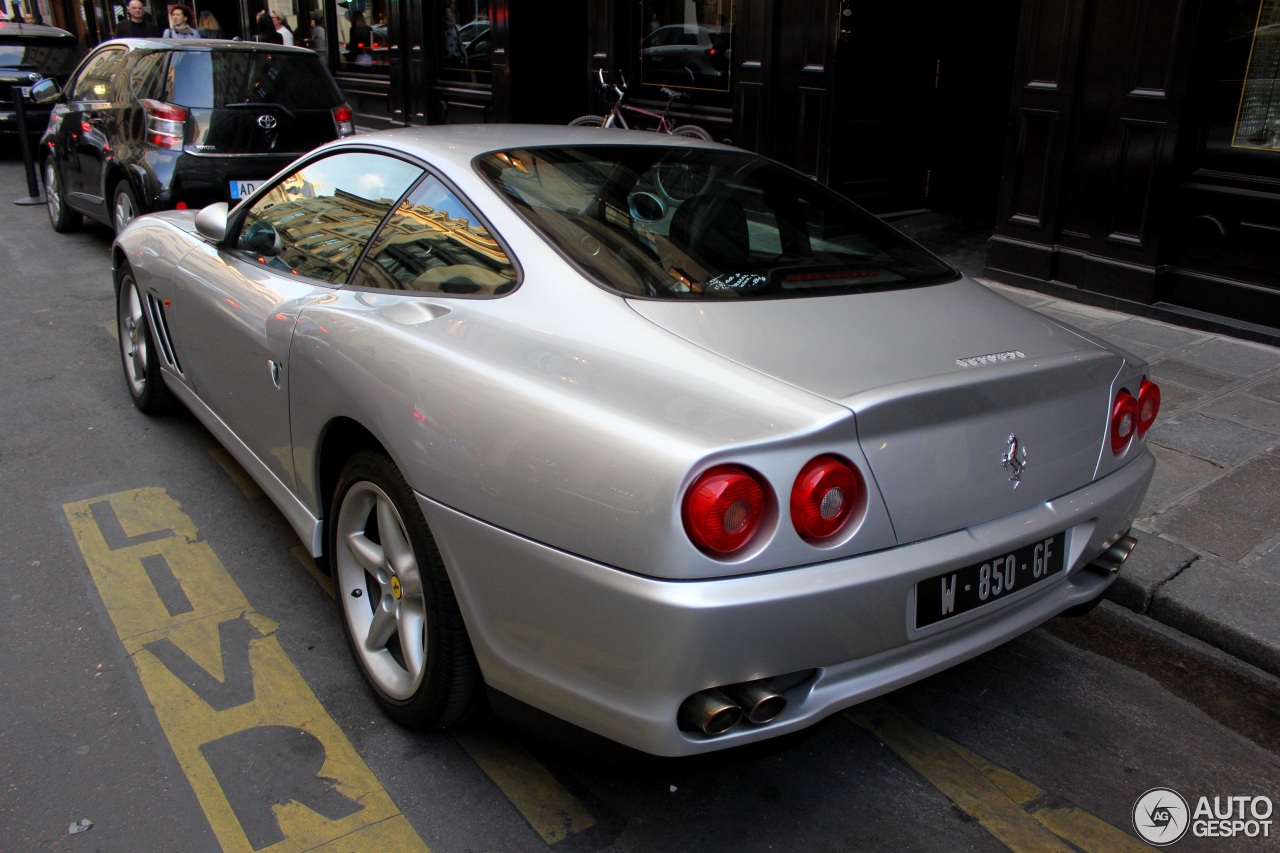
(1160, 816)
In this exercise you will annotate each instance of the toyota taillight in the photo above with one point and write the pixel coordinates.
(1124, 421)
(1148, 405)
(724, 508)
(826, 493)
(344, 119)
(166, 123)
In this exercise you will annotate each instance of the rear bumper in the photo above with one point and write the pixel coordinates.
(199, 180)
(617, 653)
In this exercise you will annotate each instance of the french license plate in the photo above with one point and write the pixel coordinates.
(240, 189)
(974, 586)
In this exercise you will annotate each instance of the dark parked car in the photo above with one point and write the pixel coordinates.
(152, 124)
(28, 54)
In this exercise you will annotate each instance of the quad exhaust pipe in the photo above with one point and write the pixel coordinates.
(716, 711)
(1114, 556)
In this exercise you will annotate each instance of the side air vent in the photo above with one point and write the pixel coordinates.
(161, 327)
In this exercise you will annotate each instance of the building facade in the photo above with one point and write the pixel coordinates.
(1122, 153)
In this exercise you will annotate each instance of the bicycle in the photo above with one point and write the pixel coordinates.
(678, 180)
(617, 96)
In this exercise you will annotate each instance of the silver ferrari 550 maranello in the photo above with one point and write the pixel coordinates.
(653, 435)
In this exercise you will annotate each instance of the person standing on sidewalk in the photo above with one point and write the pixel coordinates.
(208, 26)
(137, 24)
(265, 30)
(282, 27)
(180, 27)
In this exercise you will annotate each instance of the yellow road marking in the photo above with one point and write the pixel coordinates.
(270, 768)
(1075, 825)
(237, 474)
(551, 810)
(1005, 804)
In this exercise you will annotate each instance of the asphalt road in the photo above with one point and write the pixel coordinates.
(174, 675)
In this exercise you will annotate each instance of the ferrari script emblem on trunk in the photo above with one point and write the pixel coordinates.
(1012, 463)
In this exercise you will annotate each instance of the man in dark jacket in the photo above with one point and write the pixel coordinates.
(137, 24)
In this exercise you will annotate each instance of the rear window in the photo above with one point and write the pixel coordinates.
(217, 79)
(48, 56)
(696, 223)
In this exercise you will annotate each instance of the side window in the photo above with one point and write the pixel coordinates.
(316, 221)
(434, 243)
(147, 75)
(98, 80)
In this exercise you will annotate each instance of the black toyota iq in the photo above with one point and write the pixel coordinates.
(158, 124)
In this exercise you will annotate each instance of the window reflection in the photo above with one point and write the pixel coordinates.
(316, 221)
(434, 243)
(1258, 121)
(465, 38)
(363, 38)
(686, 45)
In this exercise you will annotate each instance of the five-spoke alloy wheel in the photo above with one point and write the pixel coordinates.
(137, 348)
(398, 609)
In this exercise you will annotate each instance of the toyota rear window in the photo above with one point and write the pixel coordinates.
(220, 79)
(48, 56)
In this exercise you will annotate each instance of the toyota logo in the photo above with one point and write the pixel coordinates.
(267, 122)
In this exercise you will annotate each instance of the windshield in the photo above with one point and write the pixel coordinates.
(218, 79)
(48, 56)
(677, 223)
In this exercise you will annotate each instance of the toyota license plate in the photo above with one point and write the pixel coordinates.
(240, 189)
(980, 584)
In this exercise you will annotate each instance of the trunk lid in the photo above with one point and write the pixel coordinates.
(940, 380)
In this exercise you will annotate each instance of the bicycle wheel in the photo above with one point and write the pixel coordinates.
(692, 131)
(681, 180)
(587, 121)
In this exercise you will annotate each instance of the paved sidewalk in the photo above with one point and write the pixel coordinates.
(1207, 562)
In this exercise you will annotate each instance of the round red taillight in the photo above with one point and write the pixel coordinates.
(1148, 405)
(1124, 421)
(723, 509)
(824, 497)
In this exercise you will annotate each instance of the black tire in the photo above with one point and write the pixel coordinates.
(398, 609)
(138, 354)
(692, 131)
(587, 121)
(60, 216)
(124, 206)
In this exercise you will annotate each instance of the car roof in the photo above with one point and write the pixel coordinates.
(17, 29)
(207, 44)
(462, 142)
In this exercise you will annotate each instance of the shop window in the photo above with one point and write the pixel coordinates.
(1242, 127)
(1258, 119)
(363, 43)
(687, 45)
(465, 42)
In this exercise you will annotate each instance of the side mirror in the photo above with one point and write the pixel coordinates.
(211, 222)
(261, 238)
(46, 91)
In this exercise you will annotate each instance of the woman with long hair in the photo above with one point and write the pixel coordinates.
(208, 26)
(265, 29)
